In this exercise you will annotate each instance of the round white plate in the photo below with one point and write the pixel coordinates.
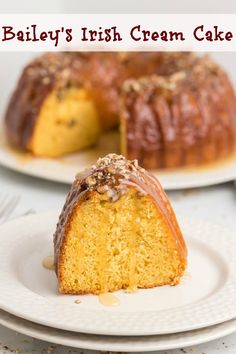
(115, 343)
(206, 295)
(64, 169)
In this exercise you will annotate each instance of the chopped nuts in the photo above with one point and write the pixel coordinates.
(91, 181)
(102, 189)
(106, 174)
(46, 80)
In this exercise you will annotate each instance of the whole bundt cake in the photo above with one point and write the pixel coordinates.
(174, 109)
(117, 230)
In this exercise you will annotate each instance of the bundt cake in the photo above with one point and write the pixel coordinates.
(63, 101)
(117, 230)
(174, 109)
(52, 111)
(185, 118)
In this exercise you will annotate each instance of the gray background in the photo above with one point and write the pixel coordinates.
(118, 6)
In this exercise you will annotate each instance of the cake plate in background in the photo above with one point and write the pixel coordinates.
(65, 168)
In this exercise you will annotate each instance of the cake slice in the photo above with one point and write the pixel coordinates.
(117, 230)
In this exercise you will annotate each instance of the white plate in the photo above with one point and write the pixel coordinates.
(115, 343)
(206, 296)
(64, 169)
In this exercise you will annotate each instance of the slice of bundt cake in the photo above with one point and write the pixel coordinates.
(117, 230)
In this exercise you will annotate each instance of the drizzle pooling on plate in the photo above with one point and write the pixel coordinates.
(108, 299)
(48, 262)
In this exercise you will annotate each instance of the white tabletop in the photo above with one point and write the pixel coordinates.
(217, 204)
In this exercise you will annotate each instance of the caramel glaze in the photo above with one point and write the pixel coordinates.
(101, 74)
(48, 262)
(108, 299)
(186, 118)
(118, 180)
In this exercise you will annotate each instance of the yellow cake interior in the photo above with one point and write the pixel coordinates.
(113, 245)
(67, 122)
